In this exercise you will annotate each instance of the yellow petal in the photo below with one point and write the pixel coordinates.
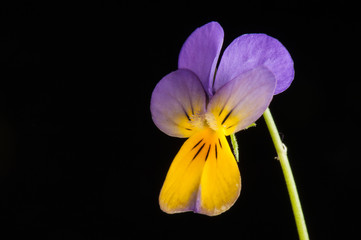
(203, 177)
(220, 184)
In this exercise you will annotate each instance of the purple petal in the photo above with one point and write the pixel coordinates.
(176, 101)
(200, 53)
(241, 101)
(251, 50)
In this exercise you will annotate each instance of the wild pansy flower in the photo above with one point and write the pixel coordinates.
(205, 104)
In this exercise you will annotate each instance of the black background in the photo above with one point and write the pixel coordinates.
(80, 157)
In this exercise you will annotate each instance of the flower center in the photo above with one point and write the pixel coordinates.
(205, 120)
(197, 121)
(211, 121)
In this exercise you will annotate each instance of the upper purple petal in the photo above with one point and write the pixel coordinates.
(251, 50)
(176, 100)
(200, 53)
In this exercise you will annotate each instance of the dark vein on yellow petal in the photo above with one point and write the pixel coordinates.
(231, 126)
(199, 151)
(215, 149)
(197, 144)
(219, 114)
(209, 148)
(185, 112)
(220, 144)
(227, 117)
(179, 125)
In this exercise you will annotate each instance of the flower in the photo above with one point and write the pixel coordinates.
(205, 104)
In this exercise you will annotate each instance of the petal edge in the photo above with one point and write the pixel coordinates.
(252, 50)
(200, 53)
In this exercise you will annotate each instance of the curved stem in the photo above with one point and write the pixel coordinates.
(287, 172)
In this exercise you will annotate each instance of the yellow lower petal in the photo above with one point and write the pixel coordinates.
(203, 177)
(220, 184)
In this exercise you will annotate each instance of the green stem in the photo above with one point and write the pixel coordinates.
(287, 172)
(235, 146)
